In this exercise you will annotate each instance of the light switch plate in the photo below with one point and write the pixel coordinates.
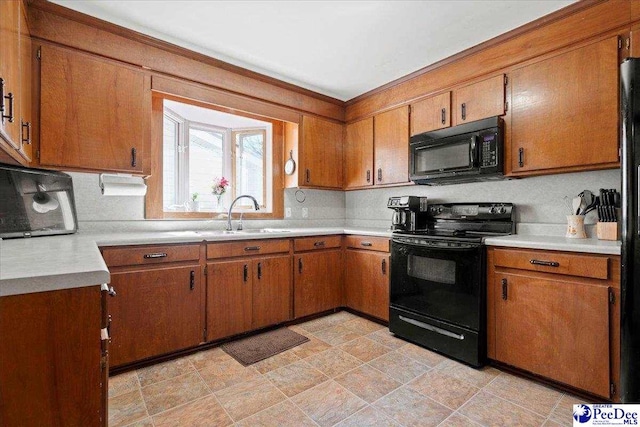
(305, 212)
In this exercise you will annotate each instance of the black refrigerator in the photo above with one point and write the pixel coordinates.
(630, 286)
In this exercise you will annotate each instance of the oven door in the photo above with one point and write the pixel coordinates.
(444, 157)
(442, 280)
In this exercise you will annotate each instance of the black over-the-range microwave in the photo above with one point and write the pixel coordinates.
(464, 153)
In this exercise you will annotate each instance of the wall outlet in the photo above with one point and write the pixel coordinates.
(305, 212)
(287, 212)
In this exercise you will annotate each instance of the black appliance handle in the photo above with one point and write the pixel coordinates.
(472, 151)
(432, 328)
(462, 247)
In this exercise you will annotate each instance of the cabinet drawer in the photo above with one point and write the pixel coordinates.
(141, 255)
(316, 242)
(596, 267)
(380, 244)
(246, 248)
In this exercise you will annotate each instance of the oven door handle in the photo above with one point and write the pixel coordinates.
(431, 328)
(462, 247)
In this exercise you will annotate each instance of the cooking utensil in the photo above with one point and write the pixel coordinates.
(576, 205)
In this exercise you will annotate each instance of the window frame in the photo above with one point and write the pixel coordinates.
(234, 153)
(154, 208)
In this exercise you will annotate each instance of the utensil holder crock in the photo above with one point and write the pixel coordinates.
(575, 227)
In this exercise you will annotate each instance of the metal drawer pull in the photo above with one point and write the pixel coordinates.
(134, 155)
(504, 289)
(192, 280)
(384, 266)
(259, 270)
(545, 263)
(10, 115)
(521, 157)
(464, 111)
(319, 244)
(380, 175)
(27, 126)
(367, 244)
(155, 255)
(444, 115)
(300, 265)
(432, 328)
(368, 175)
(252, 248)
(246, 272)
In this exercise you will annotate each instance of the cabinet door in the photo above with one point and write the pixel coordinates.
(271, 291)
(94, 114)
(565, 110)
(229, 296)
(321, 153)
(480, 100)
(26, 67)
(318, 282)
(50, 373)
(554, 328)
(10, 71)
(431, 113)
(358, 157)
(155, 312)
(391, 146)
(366, 282)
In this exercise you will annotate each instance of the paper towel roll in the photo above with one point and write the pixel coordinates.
(122, 185)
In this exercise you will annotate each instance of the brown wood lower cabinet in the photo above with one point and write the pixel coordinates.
(156, 311)
(551, 324)
(366, 282)
(51, 373)
(317, 282)
(247, 294)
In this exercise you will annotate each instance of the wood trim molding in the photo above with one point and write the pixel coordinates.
(561, 29)
(60, 25)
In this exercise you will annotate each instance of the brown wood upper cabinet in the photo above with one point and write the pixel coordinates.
(95, 114)
(480, 100)
(431, 113)
(565, 111)
(358, 156)
(377, 150)
(391, 146)
(15, 85)
(541, 305)
(320, 153)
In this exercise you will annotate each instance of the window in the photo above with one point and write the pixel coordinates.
(201, 145)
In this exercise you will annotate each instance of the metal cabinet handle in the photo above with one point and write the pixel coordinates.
(300, 265)
(545, 263)
(504, 289)
(10, 115)
(319, 244)
(521, 157)
(384, 266)
(245, 273)
(379, 174)
(25, 125)
(251, 248)
(155, 255)
(367, 244)
(308, 176)
(368, 175)
(443, 114)
(259, 270)
(464, 111)
(134, 155)
(2, 97)
(192, 280)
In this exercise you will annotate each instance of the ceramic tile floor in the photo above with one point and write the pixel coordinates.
(352, 372)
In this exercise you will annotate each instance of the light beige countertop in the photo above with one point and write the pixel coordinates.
(557, 243)
(40, 264)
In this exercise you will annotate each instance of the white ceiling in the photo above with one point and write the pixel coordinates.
(338, 48)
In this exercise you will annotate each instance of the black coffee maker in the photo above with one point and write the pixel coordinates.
(409, 213)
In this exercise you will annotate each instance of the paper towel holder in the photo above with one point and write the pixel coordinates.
(121, 184)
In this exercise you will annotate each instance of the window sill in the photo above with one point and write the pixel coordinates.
(215, 215)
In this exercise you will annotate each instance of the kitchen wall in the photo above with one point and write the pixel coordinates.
(99, 213)
(539, 200)
(540, 208)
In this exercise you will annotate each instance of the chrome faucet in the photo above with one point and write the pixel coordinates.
(255, 205)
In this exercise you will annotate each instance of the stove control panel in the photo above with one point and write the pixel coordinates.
(472, 211)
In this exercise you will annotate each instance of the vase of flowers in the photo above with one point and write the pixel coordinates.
(218, 189)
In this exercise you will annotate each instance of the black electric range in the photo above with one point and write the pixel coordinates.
(438, 278)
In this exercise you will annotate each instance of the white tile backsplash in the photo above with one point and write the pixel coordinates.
(539, 203)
